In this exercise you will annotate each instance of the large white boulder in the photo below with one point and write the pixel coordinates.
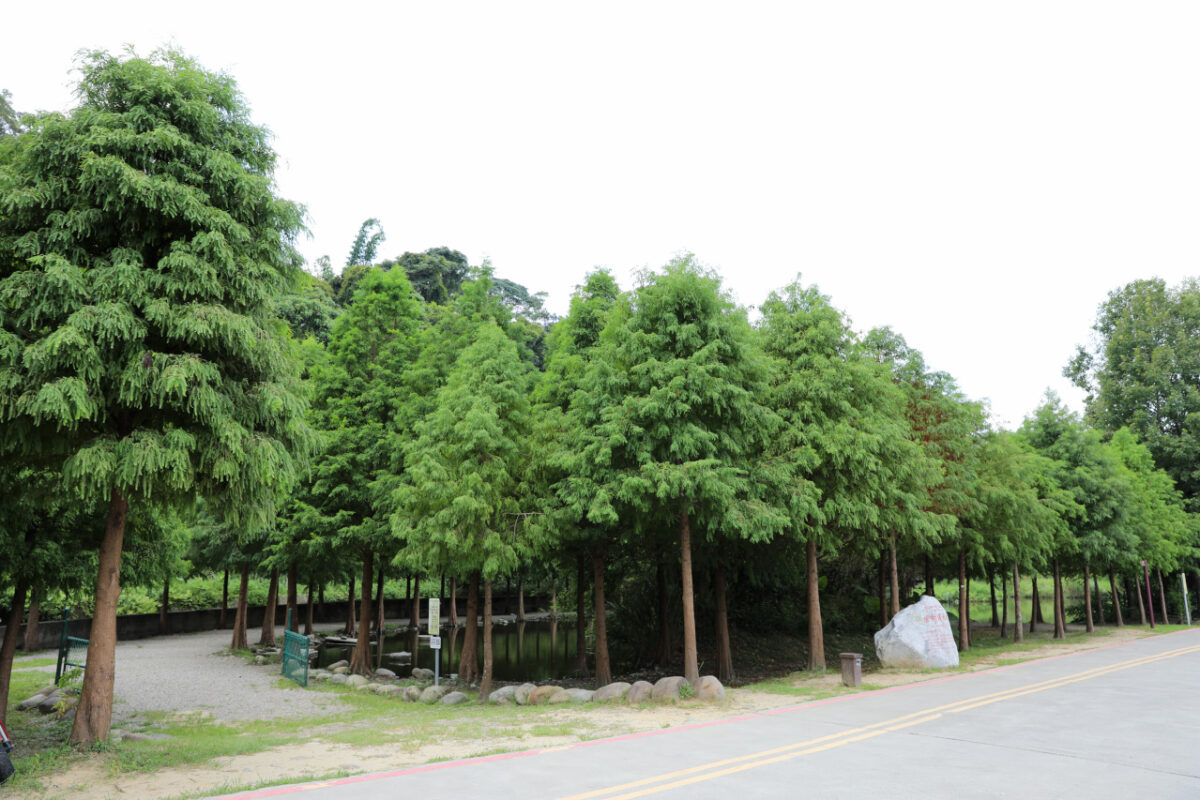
(918, 637)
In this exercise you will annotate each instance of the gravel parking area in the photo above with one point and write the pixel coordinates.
(187, 673)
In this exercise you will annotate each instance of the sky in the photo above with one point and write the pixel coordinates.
(976, 176)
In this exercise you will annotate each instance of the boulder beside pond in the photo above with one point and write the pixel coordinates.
(668, 689)
(709, 688)
(639, 692)
(919, 637)
(611, 692)
(432, 694)
(503, 695)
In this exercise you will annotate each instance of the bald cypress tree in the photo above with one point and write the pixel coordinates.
(141, 254)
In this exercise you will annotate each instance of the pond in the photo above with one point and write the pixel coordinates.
(533, 651)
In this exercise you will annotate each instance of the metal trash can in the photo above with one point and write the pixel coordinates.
(851, 669)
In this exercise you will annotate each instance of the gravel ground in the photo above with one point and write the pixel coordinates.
(187, 673)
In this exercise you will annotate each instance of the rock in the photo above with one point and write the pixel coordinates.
(391, 691)
(639, 692)
(32, 702)
(668, 689)
(434, 693)
(339, 679)
(581, 695)
(503, 695)
(367, 687)
(342, 670)
(918, 637)
(611, 692)
(522, 692)
(336, 664)
(411, 694)
(453, 699)
(422, 674)
(559, 697)
(542, 694)
(47, 705)
(354, 681)
(259, 661)
(709, 688)
(384, 673)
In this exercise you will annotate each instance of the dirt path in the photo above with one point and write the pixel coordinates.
(316, 758)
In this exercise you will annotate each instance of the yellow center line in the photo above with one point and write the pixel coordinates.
(774, 755)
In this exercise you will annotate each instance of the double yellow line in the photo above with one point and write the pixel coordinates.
(729, 766)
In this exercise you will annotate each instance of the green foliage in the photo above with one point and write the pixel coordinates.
(366, 243)
(10, 121)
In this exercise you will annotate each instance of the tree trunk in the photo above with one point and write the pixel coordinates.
(1003, 604)
(93, 714)
(224, 600)
(929, 576)
(379, 611)
(1162, 596)
(964, 628)
(468, 665)
(1060, 620)
(520, 598)
(1112, 583)
(691, 665)
(360, 658)
(1018, 630)
(293, 597)
(893, 576)
(1099, 597)
(349, 629)
(9, 648)
(485, 683)
(414, 606)
(724, 647)
(992, 590)
(453, 602)
(267, 639)
(1035, 605)
(239, 617)
(663, 656)
(1141, 605)
(308, 612)
(603, 668)
(816, 630)
(164, 606)
(31, 626)
(581, 666)
(321, 600)
(1087, 598)
(883, 604)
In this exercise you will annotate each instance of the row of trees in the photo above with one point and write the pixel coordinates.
(171, 381)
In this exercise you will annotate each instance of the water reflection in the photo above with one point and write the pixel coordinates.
(521, 651)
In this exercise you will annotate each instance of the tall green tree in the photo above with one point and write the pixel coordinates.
(141, 253)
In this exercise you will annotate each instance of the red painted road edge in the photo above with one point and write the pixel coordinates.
(304, 787)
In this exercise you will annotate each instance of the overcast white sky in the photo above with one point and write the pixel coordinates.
(978, 176)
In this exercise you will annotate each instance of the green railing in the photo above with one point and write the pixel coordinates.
(295, 654)
(72, 651)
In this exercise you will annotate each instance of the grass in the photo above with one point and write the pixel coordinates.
(33, 663)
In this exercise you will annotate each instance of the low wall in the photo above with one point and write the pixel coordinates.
(140, 626)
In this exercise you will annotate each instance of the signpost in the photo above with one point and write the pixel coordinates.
(435, 641)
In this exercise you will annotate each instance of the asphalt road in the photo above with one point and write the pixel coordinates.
(1118, 721)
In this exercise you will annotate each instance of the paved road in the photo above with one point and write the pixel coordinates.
(1119, 721)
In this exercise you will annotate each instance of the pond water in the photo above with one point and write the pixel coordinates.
(521, 651)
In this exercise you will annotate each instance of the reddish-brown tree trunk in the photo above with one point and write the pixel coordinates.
(360, 659)
(724, 646)
(11, 633)
(453, 603)
(1003, 604)
(485, 683)
(293, 597)
(816, 630)
(379, 609)
(1099, 598)
(929, 576)
(32, 634)
(1035, 605)
(164, 606)
(1141, 604)
(1162, 596)
(224, 600)
(267, 639)
(1087, 598)
(351, 620)
(1018, 629)
(414, 606)
(992, 590)
(308, 612)
(239, 616)
(468, 665)
(581, 666)
(520, 598)
(691, 661)
(1112, 583)
(964, 619)
(321, 600)
(663, 656)
(893, 576)
(1060, 620)
(603, 670)
(93, 714)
